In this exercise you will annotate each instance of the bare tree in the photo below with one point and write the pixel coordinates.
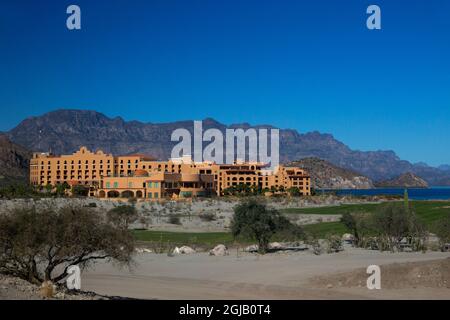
(42, 245)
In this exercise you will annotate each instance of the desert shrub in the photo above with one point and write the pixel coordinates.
(145, 221)
(242, 189)
(42, 245)
(442, 230)
(19, 190)
(313, 242)
(359, 225)
(132, 200)
(61, 189)
(122, 215)
(80, 191)
(349, 221)
(294, 192)
(208, 217)
(252, 219)
(391, 227)
(174, 219)
(392, 223)
(334, 244)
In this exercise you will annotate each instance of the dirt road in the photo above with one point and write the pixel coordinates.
(273, 276)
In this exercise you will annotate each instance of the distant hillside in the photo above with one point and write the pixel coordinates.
(14, 162)
(325, 175)
(406, 180)
(444, 167)
(64, 131)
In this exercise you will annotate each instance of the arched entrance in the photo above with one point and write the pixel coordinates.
(113, 194)
(138, 194)
(127, 194)
(102, 194)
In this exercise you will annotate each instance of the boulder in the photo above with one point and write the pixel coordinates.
(219, 250)
(252, 248)
(143, 250)
(183, 250)
(276, 246)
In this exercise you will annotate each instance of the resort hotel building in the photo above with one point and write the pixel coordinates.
(140, 176)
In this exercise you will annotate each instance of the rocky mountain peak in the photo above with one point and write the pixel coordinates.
(63, 131)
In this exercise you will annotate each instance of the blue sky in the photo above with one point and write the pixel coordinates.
(307, 65)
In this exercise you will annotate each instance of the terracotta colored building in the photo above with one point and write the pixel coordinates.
(140, 176)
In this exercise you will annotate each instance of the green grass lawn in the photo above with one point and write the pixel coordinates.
(367, 207)
(428, 211)
(184, 238)
(325, 228)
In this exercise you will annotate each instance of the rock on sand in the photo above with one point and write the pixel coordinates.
(219, 250)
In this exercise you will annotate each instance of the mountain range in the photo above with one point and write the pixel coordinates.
(14, 161)
(405, 180)
(64, 131)
(325, 175)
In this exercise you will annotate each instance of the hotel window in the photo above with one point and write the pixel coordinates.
(156, 185)
(116, 184)
(108, 185)
(156, 194)
(149, 194)
(150, 184)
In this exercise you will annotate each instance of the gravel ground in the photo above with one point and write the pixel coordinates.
(251, 276)
(13, 288)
